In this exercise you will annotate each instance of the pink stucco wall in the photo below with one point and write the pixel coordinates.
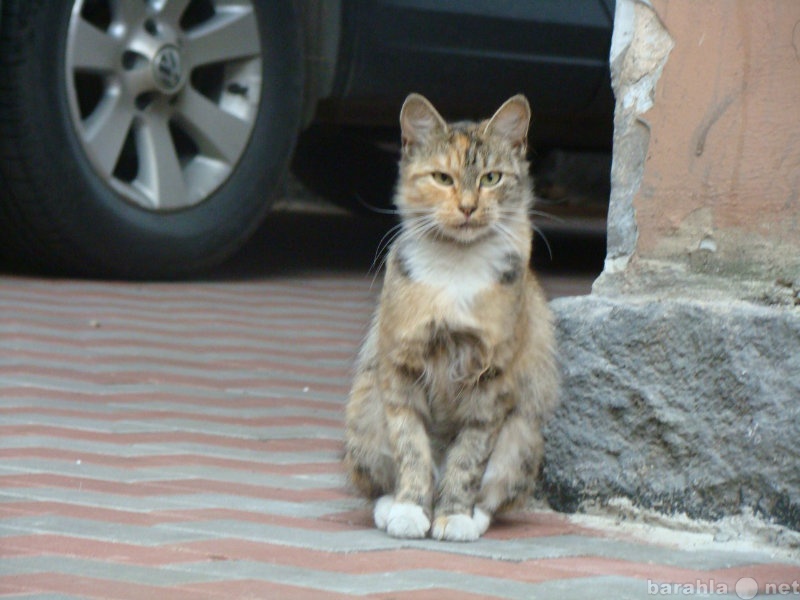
(722, 175)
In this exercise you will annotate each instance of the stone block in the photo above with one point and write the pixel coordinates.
(682, 405)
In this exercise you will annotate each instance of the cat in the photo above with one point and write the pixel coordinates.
(458, 371)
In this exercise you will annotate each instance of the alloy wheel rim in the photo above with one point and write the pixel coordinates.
(163, 94)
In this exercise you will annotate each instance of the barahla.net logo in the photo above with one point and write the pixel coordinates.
(745, 588)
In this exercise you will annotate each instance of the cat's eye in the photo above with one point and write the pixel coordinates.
(491, 179)
(442, 178)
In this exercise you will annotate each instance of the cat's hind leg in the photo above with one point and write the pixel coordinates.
(367, 456)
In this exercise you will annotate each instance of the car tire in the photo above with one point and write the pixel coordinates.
(66, 206)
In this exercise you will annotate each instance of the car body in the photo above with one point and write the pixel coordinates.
(467, 57)
(147, 139)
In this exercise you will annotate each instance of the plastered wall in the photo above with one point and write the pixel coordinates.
(717, 179)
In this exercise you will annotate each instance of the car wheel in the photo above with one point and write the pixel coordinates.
(143, 138)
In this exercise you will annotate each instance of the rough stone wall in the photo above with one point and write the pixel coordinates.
(682, 369)
(682, 405)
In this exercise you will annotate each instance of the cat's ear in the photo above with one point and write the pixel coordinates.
(511, 121)
(419, 120)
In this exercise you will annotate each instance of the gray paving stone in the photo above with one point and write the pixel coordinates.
(201, 371)
(95, 530)
(182, 502)
(76, 468)
(292, 482)
(336, 410)
(115, 571)
(610, 588)
(308, 391)
(510, 550)
(28, 403)
(363, 584)
(87, 424)
(308, 510)
(290, 329)
(33, 383)
(206, 351)
(162, 425)
(177, 447)
(159, 389)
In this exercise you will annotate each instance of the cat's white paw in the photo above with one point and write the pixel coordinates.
(455, 528)
(400, 519)
(406, 520)
(381, 511)
(461, 528)
(482, 519)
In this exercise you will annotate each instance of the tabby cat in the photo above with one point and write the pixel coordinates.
(457, 373)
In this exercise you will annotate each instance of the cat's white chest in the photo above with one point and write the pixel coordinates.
(458, 273)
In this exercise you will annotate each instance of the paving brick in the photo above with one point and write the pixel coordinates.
(159, 575)
(99, 530)
(40, 597)
(79, 468)
(184, 441)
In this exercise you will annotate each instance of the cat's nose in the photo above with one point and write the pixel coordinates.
(467, 209)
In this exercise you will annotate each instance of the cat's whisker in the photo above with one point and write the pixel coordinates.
(379, 262)
(412, 227)
(412, 222)
(509, 234)
(422, 226)
(514, 238)
(375, 209)
(386, 211)
(544, 239)
(385, 243)
(546, 215)
(418, 211)
(519, 216)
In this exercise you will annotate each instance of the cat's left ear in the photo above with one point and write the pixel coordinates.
(511, 121)
(419, 120)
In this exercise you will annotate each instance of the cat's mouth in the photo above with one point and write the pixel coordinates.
(467, 230)
(471, 225)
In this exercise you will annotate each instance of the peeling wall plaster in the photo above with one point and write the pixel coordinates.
(706, 123)
(640, 47)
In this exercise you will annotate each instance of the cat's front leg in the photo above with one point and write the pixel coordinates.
(406, 513)
(456, 517)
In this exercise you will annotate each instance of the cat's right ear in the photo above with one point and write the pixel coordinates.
(419, 120)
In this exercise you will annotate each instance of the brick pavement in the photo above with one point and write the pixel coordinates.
(183, 441)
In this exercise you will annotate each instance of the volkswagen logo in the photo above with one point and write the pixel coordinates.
(167, 68)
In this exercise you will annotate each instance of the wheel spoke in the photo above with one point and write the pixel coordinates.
(137, 81)
(92, 49)
(128, 12)
(230, 35)
(160, 174)
(217, 133)
(172, 10)
(105, 131)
